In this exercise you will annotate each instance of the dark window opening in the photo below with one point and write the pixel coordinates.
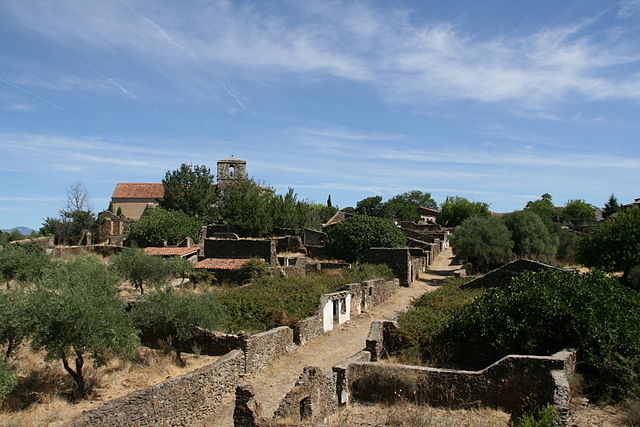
(305, 408)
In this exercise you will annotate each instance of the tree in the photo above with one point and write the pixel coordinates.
(318, 215)
(22, 261)
(164, 314)
(612, 206)
(373, 206)
(247, 208)
(542, 207)
(329, 201)
(134, 265)
(180, 267)
(158, 225)
(76, 312)
(545, 312)
(614, 245)
(190, 189)
(403, 207)
(75, 218)
(456, 209)
(483, 241)
(531, 236)
(289, 212)
(350, 239)
(8, 380)
(15, 315)
(577, 211)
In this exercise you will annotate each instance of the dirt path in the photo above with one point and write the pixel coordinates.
(272, 384)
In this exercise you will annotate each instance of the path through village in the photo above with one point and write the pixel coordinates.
(274, 382)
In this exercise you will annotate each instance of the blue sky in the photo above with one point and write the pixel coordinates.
(498, 101)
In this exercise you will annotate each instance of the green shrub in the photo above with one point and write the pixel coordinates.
(531, 237)
(15, 315)
(201, 276)
(25, 262)
(545, 417)
(158, 225)
(544, 312)
(174, 318)
(350, 239)
(251, 270)
(141, 269)
(278, 301)
(420, 326)
(482, 241)
(8, 380)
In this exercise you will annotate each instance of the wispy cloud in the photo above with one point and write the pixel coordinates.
(31, 94)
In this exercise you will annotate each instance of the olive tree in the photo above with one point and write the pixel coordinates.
(134, 265)
(24, 262)
(76, 313)
(15, 315)
(175, 318)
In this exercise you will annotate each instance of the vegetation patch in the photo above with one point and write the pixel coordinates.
(281, 301)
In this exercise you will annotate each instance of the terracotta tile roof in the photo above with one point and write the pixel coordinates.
(223, 263)
(163, 251)
(135, 190)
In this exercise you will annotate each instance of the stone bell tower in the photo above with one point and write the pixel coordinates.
(231, 169)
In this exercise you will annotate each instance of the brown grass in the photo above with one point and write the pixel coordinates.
(410, 415)
(43, 396)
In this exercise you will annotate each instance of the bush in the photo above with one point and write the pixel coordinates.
(251, 270)
(25, 262)
(531, 237)
(545, 417)
(455, 210)
(158, 225)
(350, 239)
(424, 322)
(615, 245)
(544, 312)
(483, 241)
(8, 380)
(164, 314)
(15, 315)
(281, 301)
(202, 276)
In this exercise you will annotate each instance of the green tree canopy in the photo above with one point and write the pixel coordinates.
(22, 261)
(289, 212)
(545, 312)
(15, 315)
(76, 312)
(350, 239)
(576, 211)
(158, 225)
(141, 269)
(403, 207)
(248, 208)
(531, 236)
(164, 314)
(74, 220)
(542, 207)
(190, 189)
(373, 206)
(615, 245)
(454, 210)
(483, 241)
(612, 206)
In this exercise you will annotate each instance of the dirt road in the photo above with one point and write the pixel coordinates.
(273, 383)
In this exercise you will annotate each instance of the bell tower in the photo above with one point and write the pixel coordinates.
(231, 169)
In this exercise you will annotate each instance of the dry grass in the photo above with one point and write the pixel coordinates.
(43, 396)
(409, 415)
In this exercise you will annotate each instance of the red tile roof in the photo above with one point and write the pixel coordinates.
(163, 251)
(131, 190)
(223, 263)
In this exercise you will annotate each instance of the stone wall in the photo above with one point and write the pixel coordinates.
(311, 399)
(290, 244)
(243, 248)
(398, 260)
(501, 276)
(209, 343)
(382, 339)
(313, 237)
(263, 348)
(179, 401)
(514, 383)
(307, 329)
(379, 290)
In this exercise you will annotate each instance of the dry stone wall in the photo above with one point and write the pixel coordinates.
(261, 349)
(179, 401)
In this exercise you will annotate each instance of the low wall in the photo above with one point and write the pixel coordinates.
(397, 259)
(263, 348)
(179, 401)
(307, 329)
(382, 339)
(514, 383)
(310, 400)
(243, 248)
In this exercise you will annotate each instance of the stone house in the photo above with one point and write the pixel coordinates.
(427, 215)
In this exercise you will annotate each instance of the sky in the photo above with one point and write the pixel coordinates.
(498, 101)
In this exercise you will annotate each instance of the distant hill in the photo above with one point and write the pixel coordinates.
(22, 230)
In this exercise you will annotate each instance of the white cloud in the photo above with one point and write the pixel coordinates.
(407, 59)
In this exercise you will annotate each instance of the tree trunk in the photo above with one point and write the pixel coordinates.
(179, 356)
(77, 374)
(10, 345)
